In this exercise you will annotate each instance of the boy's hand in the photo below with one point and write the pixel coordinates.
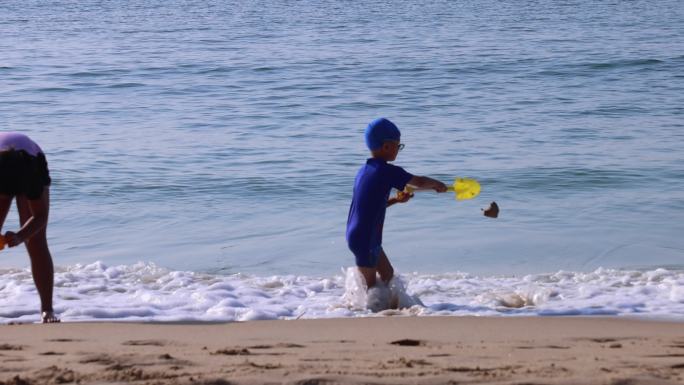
(12, 239)
(403, 196)
(440, 187)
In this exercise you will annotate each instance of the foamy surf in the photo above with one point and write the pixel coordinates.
(146, 292)
(381, 297)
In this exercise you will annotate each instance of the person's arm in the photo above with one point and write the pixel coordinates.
(424, 182)
(37, 221)
(400, 198)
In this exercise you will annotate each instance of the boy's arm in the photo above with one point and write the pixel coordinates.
(37, 221)
(400, 198)
(419, 182)
(424, 182)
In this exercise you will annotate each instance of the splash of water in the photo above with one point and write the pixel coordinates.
(382, 296)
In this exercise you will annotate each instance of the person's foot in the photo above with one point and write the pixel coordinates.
(49, 317)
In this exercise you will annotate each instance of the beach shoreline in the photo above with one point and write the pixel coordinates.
(377, 350)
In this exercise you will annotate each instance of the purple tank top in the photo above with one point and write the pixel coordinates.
(18, 141)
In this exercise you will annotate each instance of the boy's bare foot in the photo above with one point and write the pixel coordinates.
(49, 317)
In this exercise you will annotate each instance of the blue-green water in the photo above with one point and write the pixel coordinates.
(225, 137)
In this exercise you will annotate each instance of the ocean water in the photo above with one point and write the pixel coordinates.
(203, 153)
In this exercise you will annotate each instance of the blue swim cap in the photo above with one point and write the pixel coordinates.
(379, 131)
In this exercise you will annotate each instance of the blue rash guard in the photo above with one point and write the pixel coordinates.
(372, 187)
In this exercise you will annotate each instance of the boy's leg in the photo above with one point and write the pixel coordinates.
(41, 260)
(369, 274)
(385, 267)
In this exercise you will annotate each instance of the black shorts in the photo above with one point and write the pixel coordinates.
(23, 174)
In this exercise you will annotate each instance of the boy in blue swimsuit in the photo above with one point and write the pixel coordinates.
(372, 197)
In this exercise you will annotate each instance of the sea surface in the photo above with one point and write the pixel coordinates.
(203, 154)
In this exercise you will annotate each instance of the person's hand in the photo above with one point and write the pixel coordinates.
(441, 187)
(403, 196)
(12, 239)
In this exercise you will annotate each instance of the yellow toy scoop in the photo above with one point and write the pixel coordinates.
(463, 188)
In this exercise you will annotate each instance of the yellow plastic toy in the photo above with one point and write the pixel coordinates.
(463, 188)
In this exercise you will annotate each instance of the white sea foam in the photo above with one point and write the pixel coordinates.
(392, 295)
(146, 292)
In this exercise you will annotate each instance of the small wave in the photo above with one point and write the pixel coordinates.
(174, 30)
(411, 70)
(217, 70)
(29, 102)
(88, 74)
(85, 84)
(623, 63)
(588, 69)
(53, 89)
(577, 179)
(617, 111)
(266, 69)
(126, 85)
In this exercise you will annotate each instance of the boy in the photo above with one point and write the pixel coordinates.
(371, 198)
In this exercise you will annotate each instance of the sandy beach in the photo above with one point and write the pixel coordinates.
(387, 350)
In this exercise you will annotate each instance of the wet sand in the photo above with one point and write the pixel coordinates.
(382, 350)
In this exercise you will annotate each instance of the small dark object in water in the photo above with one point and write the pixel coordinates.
(492, 211)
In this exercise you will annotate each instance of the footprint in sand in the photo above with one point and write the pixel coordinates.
(315, 381)
(543, 347)
(231, 352)
(63, 340)
(11, 347)
(264, 366)
(408, 363)
(216, 382)
(407, 342)
(98, 359)
(479, 370)
(334, 341)
(54, 374)
(246, 351)
(276, 346)
(144, 343)
(599, 340)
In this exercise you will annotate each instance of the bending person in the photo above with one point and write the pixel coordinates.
(24, 175)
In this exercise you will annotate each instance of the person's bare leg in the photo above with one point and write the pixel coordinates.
(369, 274)
(386, 272)
(385, 268)
(5, 203)
(41, 260)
